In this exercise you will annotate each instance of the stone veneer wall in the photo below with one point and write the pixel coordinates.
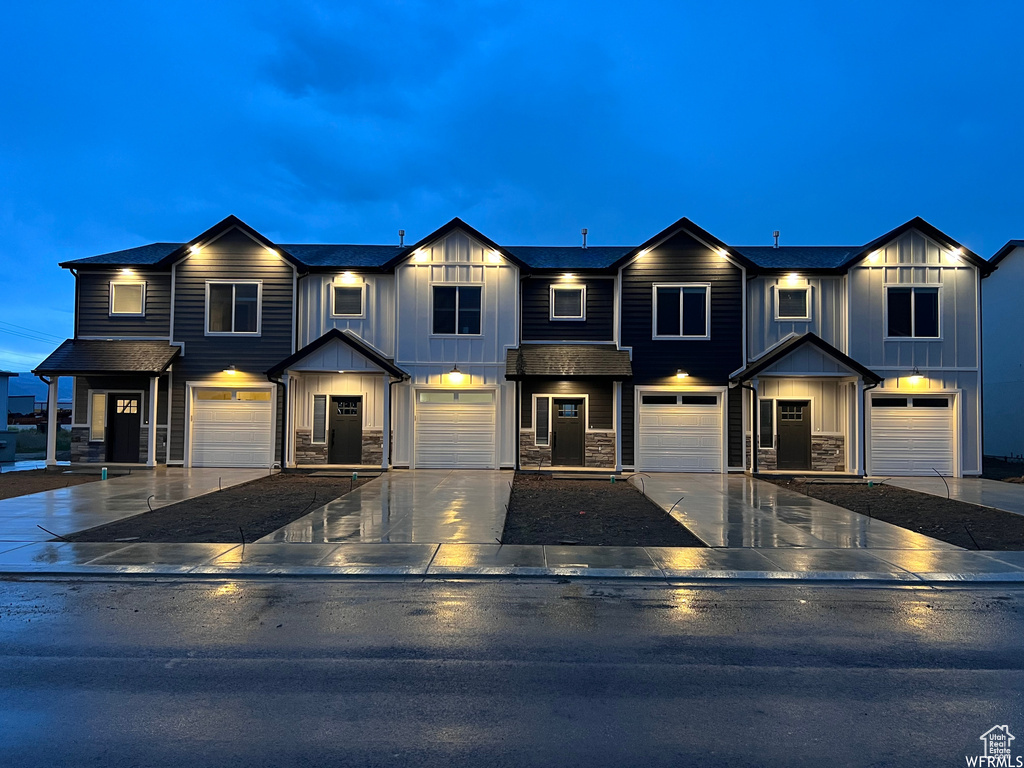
(308, 453)
(824, 456)
(598, 450)
(83, 451)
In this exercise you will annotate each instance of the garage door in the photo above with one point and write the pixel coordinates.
(232, 428)
(455, 429)
(679, 433)
(912, 435)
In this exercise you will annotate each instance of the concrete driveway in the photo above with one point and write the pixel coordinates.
(67, 510)
(437, 506)
(974, 490)
(740, 511)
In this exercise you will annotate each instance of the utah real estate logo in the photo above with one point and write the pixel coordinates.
(997, 752)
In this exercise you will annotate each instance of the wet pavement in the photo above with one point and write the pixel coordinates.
(437, 506)
(974, 490)
(741, 511)
(76, 508)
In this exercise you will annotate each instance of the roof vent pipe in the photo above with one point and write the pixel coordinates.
(775, 234)
(401, 238)
(584, 233)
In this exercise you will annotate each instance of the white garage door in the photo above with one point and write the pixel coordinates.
(911, 435)
(455, 429)
(232, 428)
(679, 433)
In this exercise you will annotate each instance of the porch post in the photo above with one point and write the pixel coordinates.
(151, 437)
(386, 453)
(289, 415)
(51, 423)
(755, 427)
(860, 467)
(617, 405)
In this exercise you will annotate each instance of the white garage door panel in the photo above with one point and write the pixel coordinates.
(231, 433)
(680, 438)
(912, 441)
(455, 435)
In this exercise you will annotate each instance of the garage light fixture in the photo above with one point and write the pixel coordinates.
(915, 377)
(230, 369)
(455, 375)
(126, 271)
(348, 278)
(568, 275)
(681, 374)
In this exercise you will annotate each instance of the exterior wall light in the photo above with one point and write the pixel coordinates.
(916, 377)
(126, 271)
(455, 375)
(230, 370)
(348, 278)
(681, 374)
(792, 278)
(568, 275)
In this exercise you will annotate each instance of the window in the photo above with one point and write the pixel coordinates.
(541, 420)
(253, 395)
(568, 302)
(319, 436)
(931, 402)
(791, 412)
(911, 402)
(463, 398)
(568, 410)
(913, 312)
(127, 405)
(679, 399)
(98, 416)
(457, 309)
(792, 303)
(348, 301)
(888, 402)
(233, 308)
(128, 299)
(659, 399)
(766, 425)
(681, 311)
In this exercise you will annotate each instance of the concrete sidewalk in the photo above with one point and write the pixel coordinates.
(429, 561)
(1008, 497)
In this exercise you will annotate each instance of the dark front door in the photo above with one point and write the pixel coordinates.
(346, 443)
(124, 417)
(793, 419)
(567, 430)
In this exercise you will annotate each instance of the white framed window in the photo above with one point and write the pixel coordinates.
(319, 436)
(456, 309)
(348, 300)
(97, 416)
(568, 302)
(682, 311)
(128, 298)
(234, 308)
(766, 423)
(792, 303)
(912, 312)
(542, 420)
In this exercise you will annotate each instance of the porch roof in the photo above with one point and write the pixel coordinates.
(387, 365)
(568, 361)
(109, 357)
(786, 348)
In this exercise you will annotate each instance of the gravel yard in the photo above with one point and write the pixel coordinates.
(543, 510)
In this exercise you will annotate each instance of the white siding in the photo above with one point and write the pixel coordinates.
(829, 400)
(335, 356)
(828, 310)
(376, 327)
(369, 386)
(1004, 357)
(807, 359)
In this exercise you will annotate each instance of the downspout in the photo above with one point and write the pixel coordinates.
(755, 420)
(75, 273)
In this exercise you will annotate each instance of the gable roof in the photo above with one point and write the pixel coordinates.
(1002, 253)
(927, 230)
(451, 226)
(346, 337)
(568, 361)
(218, 229)
(569, 257)
(783, 349)
(690, 228)
(805, 257)
(96, 356)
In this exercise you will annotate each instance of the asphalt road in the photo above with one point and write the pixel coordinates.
(296, 672)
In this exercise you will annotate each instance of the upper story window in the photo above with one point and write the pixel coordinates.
(682, 311)
(912, 312)
(233, 308)
(347, 301)
(568, 302)
(457, 309)
(792, 303)
(128, 299)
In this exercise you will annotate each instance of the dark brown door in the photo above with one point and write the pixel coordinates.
(793, 422)
(124, 419)
(567, 432)
(346, 443)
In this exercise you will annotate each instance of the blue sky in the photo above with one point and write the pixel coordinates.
(128, 123)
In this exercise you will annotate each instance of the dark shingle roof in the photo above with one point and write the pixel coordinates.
(799, 256)
(568, 361)
(568, 257)
(84, 356)
(144, 254)
(326, 255)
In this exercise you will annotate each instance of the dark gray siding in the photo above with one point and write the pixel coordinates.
(600, 398)
(682, 259)
(600, 310)
(233, 257)
(94, 318)
(735, 417)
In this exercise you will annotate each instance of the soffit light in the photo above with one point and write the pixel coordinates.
(874, 256)
(419, 255)
(494, 257)
(568, 275)
(455, 376)
(915, 377)
(195, 248)
(954, 255)
(681, 374)
(126, 271)
(230, 370)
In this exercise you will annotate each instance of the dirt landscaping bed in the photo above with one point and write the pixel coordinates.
(955, 522)
(543, 510)
(257, 508)
(36, 480)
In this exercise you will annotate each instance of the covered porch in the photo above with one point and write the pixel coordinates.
(805, 409)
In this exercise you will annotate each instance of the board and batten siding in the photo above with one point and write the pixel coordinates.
(368, 386)
(682, 259)
(94, 318)
(1003, 354)
(600, 310)
(599, 397)
(377, 325)
(232, 257)
(827, 304)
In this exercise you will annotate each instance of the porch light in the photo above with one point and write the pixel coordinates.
(681, 374)
(230, 370)
(915, 377)
(455, 375)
